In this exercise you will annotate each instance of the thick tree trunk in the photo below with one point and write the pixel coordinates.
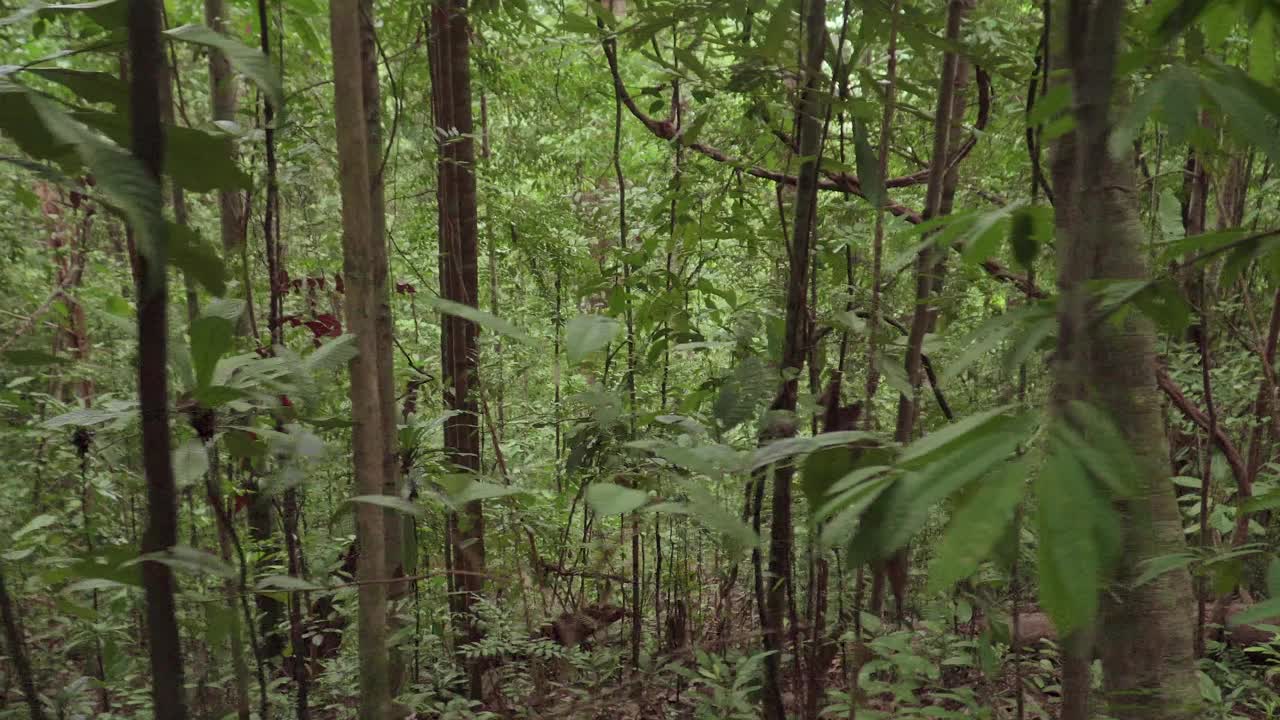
(450, 56)
(366, 406)
(1146, 642)
(147, 134)
(395, 523)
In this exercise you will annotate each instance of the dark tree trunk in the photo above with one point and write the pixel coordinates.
(147, 133)
(795, 347)
(459, 280)
(18, 653)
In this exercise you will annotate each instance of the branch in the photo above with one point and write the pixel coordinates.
(832, 182)
(1220, 437)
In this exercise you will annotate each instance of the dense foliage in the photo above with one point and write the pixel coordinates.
(689, 359)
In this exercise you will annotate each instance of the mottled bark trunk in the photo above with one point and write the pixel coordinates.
(366, 406)
(1145, 641)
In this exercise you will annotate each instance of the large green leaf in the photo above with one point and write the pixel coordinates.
(479, 317)
(110, 14)
(710, 512)
(88, 85)
(610, 499)
(125, 183)
(390, 502)
(947, 467)
(196, 160)
(210, 340)
(1079, 539)
(196, 258)
(979, 522)
(248, 61)
(331, 355)
(587, 334)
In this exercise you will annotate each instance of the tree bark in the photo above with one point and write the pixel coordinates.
(809, 114)
(147, 133)
(1146, 643)
(222, 94)
(450, 56)
(358, 260)
(18, 653)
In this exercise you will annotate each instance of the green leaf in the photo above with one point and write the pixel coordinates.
(210, 340)
(38, 522)
(610, 499)
(125, 183)
(1079, 534)
(1250, 107)
(587, 334)
(978, 524)
(287, 583)
(248, 61)
(707, 510)
(927, 448)
(110, 14)
(1273, 577)
(331, 355)
(31, 358)
(189, 559)
(1025, 235)
(196, 258)
(471, 490)
(1262, 49)
(822, 469)
(196, 160)
(90, 86)
(1180, 17)
(390, 502)
(1265, 610)
(746, 389)
(477, 316)
(949, 467)
(710, 460)
(868, 164)
(1157, 566)
(190, 463)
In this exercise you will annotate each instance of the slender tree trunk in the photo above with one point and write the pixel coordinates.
(222, 92)
(366, 405)
(450, 56)
(18, 652)
(1145, 639)
(147, 61)
(795, 347)
(895, 568)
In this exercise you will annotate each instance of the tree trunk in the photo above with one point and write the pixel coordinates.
(1146, 642)
(222, 93)
(895, 567)
(18, 653)
(450, 56)
(810, 112)
(358, 259)
(147, 133)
